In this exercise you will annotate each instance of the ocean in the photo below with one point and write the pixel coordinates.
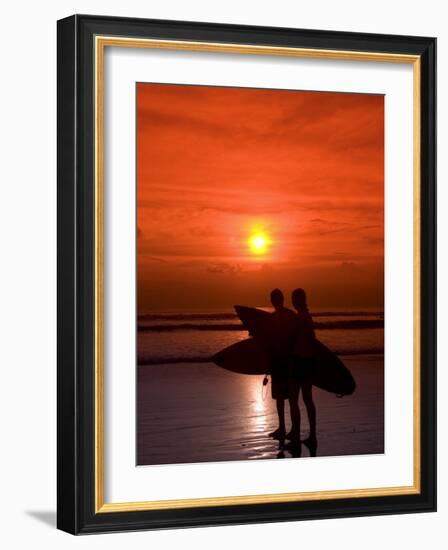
(169, 337)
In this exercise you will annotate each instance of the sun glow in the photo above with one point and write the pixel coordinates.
(258, 243)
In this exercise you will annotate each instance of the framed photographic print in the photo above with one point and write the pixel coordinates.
(246, 274)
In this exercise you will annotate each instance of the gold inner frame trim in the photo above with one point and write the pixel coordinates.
(101, 42)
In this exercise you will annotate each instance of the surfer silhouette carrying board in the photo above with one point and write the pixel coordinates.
(300, 369)
(280, 347)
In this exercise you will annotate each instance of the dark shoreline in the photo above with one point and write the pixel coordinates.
(232, 315)
(149, 361)
(335, 325)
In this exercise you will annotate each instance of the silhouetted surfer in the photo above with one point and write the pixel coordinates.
(280, 347)
(299, 373)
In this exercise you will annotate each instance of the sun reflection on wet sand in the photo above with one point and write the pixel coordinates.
(260, 419)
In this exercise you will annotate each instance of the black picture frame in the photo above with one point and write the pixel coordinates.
(76, 511)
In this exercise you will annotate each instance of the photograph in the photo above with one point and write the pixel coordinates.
(246, 273)
(260, 273)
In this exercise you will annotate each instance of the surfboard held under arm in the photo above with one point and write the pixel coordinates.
(250, 356)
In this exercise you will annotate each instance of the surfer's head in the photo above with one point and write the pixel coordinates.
(298, 298)
(277, 298)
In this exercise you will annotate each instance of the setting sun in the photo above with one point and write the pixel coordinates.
(258, 243)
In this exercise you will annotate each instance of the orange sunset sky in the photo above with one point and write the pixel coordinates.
(243, 190)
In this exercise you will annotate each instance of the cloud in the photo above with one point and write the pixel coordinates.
(225, 268)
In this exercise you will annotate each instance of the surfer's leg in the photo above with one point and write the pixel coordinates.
(307, 392)
(279, 433)
(281, 414)
(293, 397)
(277, 393)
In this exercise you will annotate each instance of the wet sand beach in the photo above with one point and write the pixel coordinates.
(201, 413)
